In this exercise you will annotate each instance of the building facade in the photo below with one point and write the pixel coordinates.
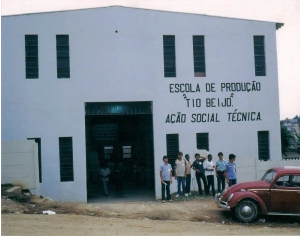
(132, 85)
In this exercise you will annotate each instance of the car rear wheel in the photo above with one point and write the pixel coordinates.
(246, 211)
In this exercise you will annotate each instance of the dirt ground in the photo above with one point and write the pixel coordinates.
(184, 216)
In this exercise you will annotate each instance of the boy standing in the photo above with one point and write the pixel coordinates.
(220, 170)
(165, 173)
(198, 167)
(209, 172)
(180, 174)
(230, 171)
(188, 174)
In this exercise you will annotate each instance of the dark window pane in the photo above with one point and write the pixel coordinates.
(170, 64)
(202, 141)
(259, 55)
(66, 159)
(169, 56)
(63, 56)
(169, 69)
(199, 56)
(199, 63)
(263, 145)
(169, 40)
(31, 57)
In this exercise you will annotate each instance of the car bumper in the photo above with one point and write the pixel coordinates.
(224, 205)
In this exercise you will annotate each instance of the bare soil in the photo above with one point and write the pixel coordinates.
(184, 216)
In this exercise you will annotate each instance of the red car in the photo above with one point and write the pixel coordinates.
(277, 193)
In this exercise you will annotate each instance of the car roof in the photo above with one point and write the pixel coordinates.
(287, 170)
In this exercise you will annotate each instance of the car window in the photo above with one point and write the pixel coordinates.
(292, 181)
(295, 181)
(269, 176)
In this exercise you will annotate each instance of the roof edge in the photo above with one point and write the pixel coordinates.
(139, 8)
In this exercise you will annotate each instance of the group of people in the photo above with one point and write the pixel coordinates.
(205, 169)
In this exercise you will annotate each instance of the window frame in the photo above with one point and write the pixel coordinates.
(262, 154)
(199, 56)
(63, 56)
(172, 146)
(31, 56)
(169, 54)
(66, 162)
(199, 141)
(259, 55)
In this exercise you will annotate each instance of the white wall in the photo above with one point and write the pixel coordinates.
(19, 164)
(128, 66)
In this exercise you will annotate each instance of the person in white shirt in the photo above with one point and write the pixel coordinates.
(105, 173)
(209, 168)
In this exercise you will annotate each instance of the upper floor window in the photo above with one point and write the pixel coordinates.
(63, 57)
(259, 55)
(31, 57)
(169, 56)
(199, 56)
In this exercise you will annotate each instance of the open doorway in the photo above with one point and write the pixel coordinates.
(120, 133)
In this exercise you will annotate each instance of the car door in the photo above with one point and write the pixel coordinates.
(285, 195)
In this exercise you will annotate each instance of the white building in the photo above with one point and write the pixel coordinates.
(100, 84)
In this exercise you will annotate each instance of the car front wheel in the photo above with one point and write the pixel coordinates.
(246, 211)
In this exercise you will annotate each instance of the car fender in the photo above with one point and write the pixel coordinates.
(238, 196)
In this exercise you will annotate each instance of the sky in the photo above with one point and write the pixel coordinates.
(283, 11)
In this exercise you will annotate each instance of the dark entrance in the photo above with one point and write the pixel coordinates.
(120, 132)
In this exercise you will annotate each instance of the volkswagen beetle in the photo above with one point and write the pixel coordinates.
(277, 193)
